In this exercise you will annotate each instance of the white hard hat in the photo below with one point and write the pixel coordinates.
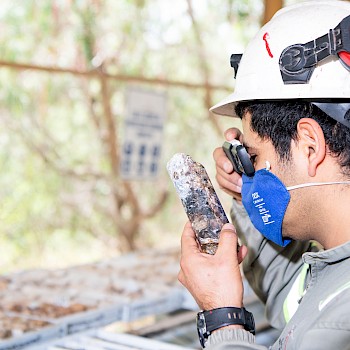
(271, 67)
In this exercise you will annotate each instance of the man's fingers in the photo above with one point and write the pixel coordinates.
(228, 241)
(243, 251)
(228, 180)
(221, 160)
(231, 182)
(232, 134)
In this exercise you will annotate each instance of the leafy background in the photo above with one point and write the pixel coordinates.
(62, 200)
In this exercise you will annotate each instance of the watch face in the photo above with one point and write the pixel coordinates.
(201, 329)
(250, 326)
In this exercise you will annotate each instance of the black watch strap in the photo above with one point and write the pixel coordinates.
(209, 321)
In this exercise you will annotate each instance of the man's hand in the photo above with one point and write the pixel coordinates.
(228, 180)
(213, 280)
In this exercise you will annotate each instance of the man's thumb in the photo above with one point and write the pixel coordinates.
(228, 240)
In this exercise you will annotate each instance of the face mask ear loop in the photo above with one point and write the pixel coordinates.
(268, 165)
(310, 184)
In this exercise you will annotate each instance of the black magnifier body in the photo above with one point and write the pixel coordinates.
(239, 157)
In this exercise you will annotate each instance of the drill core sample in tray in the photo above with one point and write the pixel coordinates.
(199, 199)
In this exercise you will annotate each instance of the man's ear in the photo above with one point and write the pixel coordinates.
(312, 143)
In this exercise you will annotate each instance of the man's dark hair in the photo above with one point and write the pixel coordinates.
(277, 121)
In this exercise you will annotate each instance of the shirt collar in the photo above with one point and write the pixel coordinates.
(333, 255)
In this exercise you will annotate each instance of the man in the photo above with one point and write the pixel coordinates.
(293, 96)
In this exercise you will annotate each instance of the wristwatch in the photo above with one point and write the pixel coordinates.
(209, 321)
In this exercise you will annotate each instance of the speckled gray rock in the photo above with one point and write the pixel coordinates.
(199, 199)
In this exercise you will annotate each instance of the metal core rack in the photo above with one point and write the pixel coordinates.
(69, 308)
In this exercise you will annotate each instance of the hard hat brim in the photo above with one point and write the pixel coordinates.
(226, 106)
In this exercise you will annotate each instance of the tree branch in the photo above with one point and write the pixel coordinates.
(118, 77)
(203, 62)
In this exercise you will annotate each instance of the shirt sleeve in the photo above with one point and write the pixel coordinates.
(270, 269)
(231, 339)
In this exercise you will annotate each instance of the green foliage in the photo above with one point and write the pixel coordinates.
(55, 185)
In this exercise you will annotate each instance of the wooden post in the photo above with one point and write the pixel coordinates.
(271, 7)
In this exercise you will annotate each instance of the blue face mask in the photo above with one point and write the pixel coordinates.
(266, 199)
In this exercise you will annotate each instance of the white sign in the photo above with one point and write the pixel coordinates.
(143, 134)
